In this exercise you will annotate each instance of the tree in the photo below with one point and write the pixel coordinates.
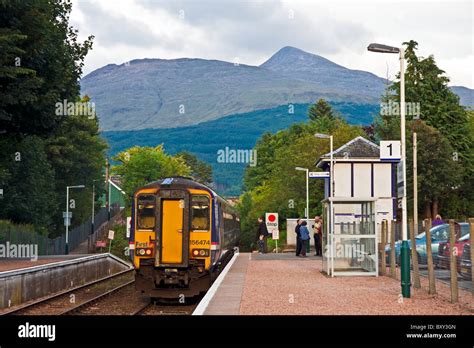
(321, 109)
(275, 185)
(200, 170)
(77, 155)
(139, 166)
(27, 183)
(426, 87)
(439, 174)
(42, 64)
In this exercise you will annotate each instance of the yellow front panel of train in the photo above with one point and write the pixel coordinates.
(172, 232)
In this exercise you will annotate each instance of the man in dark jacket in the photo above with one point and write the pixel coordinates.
(262, 235)
(298, 239)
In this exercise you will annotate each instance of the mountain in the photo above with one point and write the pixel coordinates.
(304, 66)
(466, 95)
(160, 93)
(240, 131)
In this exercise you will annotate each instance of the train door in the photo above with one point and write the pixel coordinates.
(173, 231)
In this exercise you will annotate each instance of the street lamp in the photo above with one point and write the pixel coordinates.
(405, 250)
(68, 219)
(93, 210)
(331, 195)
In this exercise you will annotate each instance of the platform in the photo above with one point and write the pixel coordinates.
(279, 284)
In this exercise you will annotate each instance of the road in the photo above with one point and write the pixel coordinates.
(444, 275)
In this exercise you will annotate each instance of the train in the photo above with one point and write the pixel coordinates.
(182, 234)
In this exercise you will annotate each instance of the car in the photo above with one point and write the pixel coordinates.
(465, 266)
(444, 259)
(438, 233)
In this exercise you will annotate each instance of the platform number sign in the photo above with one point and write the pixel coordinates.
(390, 150)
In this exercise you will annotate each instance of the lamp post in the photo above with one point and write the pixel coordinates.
(405, 250)
(93, 210)
(68, 220)
(331, 195)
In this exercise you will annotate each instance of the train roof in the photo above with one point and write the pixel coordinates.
(179, 182)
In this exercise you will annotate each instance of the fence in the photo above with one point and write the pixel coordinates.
(56, 246)
(441, 254)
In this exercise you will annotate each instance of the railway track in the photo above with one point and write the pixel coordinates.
(65, 301)
(111, 295)
(155, 309)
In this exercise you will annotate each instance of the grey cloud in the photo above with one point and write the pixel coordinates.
(261, 28)
(111, 30)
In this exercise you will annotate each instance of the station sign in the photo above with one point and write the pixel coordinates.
(271, 220)
(390, 150)
(318, 175)
(67, 218)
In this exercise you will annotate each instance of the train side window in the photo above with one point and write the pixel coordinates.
(146, 212)
(200, 212)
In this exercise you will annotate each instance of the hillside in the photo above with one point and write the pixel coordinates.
(160, 93)
(239, 131)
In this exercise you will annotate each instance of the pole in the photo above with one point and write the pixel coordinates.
(471, 231)
(415, 184)
(92, 216)
(429, 254)
(453, 263)
(66, 251)
(405, 249)
(308, 247)
(107, 193)
(331, 208)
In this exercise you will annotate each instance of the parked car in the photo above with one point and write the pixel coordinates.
(444, 259)
(465, 268)
(439, 234)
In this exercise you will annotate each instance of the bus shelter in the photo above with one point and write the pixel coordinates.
(349, 237)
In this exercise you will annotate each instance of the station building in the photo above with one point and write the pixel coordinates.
(364, 194)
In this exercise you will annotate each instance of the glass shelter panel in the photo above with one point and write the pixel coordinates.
(350, 244)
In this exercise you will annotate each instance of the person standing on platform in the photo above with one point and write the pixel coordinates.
(304, 236)
(437, 221)
(298, 240)
(317, 234)
(262, 235)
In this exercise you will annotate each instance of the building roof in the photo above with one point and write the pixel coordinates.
(357, 148)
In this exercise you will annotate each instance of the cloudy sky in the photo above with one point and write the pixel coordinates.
(251, 31)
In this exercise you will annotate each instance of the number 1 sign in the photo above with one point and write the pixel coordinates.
(390, 150)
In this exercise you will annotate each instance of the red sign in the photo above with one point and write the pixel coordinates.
(100, 244)
(271, 218)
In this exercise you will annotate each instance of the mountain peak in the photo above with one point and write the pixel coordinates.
(293, 57)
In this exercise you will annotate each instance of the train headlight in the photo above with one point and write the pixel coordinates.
(148, 251)
(142, 251)
(200, 252)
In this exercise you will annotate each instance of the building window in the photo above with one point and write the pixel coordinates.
(199, 212)
(146, 212)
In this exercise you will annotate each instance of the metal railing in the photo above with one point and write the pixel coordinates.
(56, 246)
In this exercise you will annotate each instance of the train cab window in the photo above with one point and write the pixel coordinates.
(146, 212)
(200, 212)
